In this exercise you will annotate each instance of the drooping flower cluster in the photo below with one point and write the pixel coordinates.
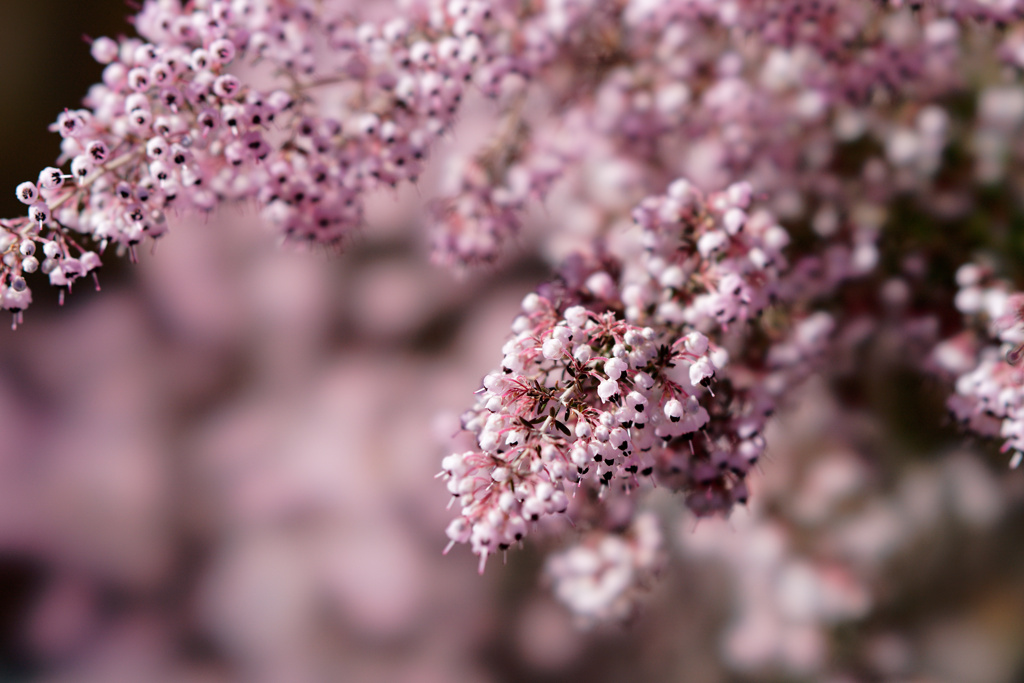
(986, 364)
(580, 396)
(613, 384)
(182, 122)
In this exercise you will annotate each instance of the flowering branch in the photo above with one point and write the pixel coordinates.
(678, 322)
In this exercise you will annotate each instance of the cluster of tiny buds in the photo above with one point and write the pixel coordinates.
(600, 577)
(989, 379)
(582, 398)
(151, 135)
(473, 222)
(709, 260)
(170, 128)
(31, 248)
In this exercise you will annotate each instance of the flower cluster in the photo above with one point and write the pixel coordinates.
(988, 379)
(597, 579)
(579, 397)
(182, 122)
(613, 383)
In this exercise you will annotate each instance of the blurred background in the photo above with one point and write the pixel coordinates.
(220, 468)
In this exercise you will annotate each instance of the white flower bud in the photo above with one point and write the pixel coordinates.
(696, 343)
(607, 389)
(583, 353)
(576, 316)
(701, 371)
(614, 367)
(531, 303)
(552, 349)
